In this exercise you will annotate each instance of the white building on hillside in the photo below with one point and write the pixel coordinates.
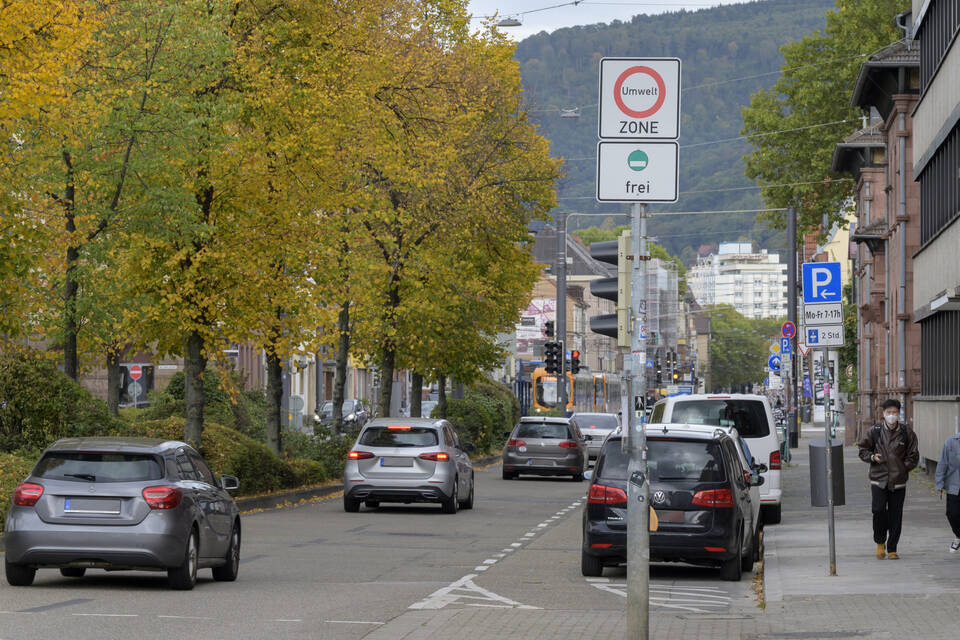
(755, 284)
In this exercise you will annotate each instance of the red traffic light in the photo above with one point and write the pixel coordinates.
(574, 354)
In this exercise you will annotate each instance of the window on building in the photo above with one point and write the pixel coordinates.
(940, 343)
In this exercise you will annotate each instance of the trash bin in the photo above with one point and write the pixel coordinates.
(793, 431)
(818, 472)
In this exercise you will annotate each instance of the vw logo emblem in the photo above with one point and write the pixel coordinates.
(92, 488)
(658, 497)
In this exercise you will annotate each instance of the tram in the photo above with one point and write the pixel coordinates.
(586, 392)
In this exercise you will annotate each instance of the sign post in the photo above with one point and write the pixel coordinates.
(823, 324)
(637, 161)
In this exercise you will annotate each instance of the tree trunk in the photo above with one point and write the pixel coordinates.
(195, 363)
(343, 355)
(416, 396)
(274, 400)
(114, 379)
(387, 360)
(71, 364)
(442, 398)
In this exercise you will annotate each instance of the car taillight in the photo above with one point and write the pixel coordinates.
(714, 498)
(163, 497)
(359, 455)
(774, 460)
(436, 456)
(27, 494)
(516, 443)
(568, 444)
(600, 494)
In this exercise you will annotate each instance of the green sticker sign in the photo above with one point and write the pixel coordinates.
(637, 160)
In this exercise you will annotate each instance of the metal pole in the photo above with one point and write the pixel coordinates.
(793, 417)
(827, 422)
(638, 489)
(562, 308)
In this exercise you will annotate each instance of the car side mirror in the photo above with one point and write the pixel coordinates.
(229, 483)
(762, 468)
(756, 479)
(469, 447)
(588, 474)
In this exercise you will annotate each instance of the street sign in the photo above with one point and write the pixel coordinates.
(826, 336)
(637, 171)
(133, 390)
(802, 348)
(785, 347)
(135, 371)
(774, 363)
(788, 330)
(673, 389)
(774, 347)
(821, 282)
(639, 98)
(817, 315)
(685, 389)
(849, 371)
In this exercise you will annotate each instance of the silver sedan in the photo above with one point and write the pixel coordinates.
(408, 460)
(123, 503)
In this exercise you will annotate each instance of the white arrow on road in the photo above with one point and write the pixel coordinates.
(465, 589)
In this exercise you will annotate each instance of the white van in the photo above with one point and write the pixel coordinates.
(753, 419)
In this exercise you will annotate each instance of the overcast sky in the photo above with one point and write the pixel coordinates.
(586, 12)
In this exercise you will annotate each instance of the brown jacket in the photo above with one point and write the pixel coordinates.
(898, 451)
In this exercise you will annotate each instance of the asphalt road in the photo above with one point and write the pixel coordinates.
(317, 572)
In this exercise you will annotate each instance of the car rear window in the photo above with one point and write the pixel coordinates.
(548, 430)
(667, 460)
(597, 421)
(748, 416)
(399, 437)
(98, 467)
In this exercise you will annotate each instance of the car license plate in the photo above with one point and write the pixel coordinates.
(670, 516)
(396, 462)
(109, 506)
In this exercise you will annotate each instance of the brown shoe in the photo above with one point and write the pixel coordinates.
(881, 551)
(893, 555)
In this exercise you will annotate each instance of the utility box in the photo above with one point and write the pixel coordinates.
(818, 472)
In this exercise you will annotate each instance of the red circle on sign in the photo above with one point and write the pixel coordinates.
(789, 330)
(661, 92)
(135, 371)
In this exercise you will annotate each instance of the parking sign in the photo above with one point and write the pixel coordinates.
(821, 282)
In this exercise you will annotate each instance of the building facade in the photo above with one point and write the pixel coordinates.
(936, 167)
(886, 233)
(754, 283)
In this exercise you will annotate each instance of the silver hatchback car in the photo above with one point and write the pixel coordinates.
(545, 447)
(596, 427)
(123, 503)
(408, 460)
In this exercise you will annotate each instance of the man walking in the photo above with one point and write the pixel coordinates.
(890, 447)
(948, 479)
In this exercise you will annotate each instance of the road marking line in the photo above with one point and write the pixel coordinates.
(446, 596)
(186, 617)
(598, 579)
(516, 544)
(490, 561)
(499, 555)
(543, 524)
(108, 615)
(481, 568)
(508, 550)
(351, 622)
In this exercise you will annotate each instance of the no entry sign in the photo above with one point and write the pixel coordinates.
(135, 372)
(639, 98)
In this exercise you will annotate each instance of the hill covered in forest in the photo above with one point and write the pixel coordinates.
(727, 53)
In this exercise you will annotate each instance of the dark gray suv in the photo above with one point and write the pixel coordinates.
(123, 503)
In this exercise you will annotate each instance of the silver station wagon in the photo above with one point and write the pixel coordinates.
(123, 503)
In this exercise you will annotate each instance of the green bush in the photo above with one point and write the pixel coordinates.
(329, 451)
(39, 404)
(246, 411)
(487, 411)
(13, 470)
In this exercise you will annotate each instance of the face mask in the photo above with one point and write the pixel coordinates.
(891, 419)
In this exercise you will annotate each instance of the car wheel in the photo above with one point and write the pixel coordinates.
(732, 569)
(372, 504)
(72, 572)
(450, 504)
(468, 503)
(183, 578)
(351, 505)
(509, 475)
(19, 575)
(228, 571)
(771, 514)
(747, 560)
(590, 566)
(758, 545)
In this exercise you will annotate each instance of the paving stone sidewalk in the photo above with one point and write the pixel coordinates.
(916, 596)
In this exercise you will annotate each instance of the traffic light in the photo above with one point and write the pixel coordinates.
(574, 362)
(548, 328)
(615, 325)
(551, 356)
(659, 370)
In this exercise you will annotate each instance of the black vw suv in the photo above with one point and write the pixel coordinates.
(699, 490)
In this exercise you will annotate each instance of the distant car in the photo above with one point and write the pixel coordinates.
(355, 414)
(123, 503)
(595, 428)
(753, 419)
(546, 447)
(408, 460)
(699, 490)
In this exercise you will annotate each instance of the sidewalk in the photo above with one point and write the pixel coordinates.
(917, 596)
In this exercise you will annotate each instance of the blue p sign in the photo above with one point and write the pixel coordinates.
(821, 282)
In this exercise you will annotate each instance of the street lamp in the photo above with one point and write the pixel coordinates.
(510, 21)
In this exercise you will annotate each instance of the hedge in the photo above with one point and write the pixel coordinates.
(487, 411)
